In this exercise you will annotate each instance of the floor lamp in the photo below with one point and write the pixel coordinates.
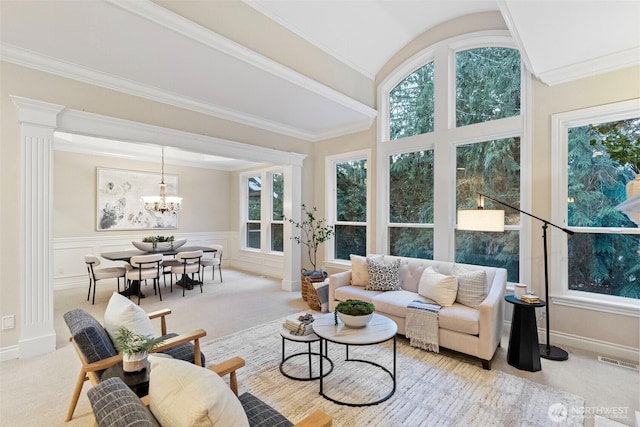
(493, 220)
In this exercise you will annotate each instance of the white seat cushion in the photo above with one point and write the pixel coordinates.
(460, 318)
(355, 292)
(395, 302)
(109, 272)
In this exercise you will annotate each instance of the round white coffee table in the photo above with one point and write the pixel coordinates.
(378, 330)
(308, 339)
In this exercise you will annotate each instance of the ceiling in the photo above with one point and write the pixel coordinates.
(151, 45)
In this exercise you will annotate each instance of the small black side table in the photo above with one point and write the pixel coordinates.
(137, 381)
(524, 350)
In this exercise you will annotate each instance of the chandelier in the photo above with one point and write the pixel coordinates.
(162, 203)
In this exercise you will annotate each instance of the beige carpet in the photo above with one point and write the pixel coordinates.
(432, 389)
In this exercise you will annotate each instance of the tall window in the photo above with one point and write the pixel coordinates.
(263, 210)
(411, 204)
(491, 167)
(602, 255)
(347, 176)
(277, 225)
(455, 128)
(254, 211)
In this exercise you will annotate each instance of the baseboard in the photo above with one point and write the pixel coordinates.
(9, 353)
(599, 347)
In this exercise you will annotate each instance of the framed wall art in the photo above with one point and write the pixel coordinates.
(118, 200)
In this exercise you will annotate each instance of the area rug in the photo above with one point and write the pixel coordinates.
(432, 389)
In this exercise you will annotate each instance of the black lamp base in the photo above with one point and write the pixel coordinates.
(552, 352)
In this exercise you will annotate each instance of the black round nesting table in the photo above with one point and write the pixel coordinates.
(524, 349)
(308, 339)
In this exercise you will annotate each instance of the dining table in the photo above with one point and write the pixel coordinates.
(126, 255)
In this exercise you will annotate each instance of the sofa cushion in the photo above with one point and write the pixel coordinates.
(460, 318)
(395, 303)
(438, 287)
(183, 394)
(472, 286)
(121, 311)
(260, 414)
(383, 277)
(114, 404)
(184, 351)
(89, 335)
(360, 269)
(344, 293)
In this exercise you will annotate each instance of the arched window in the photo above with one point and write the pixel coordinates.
(452, 126)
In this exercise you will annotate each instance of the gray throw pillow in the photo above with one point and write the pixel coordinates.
(472, 286)
(383, 277)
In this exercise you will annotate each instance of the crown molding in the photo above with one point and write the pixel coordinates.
(99, 126)
(593, 67)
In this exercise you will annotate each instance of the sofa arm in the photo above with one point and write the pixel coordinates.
(336, 281)
(492, 316)
(316, 419)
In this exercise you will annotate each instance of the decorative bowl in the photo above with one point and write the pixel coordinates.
(355, 321)
(160, 246)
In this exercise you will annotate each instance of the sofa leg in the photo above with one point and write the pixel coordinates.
(486, 364)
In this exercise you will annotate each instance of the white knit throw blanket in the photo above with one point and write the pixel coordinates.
(422, 325)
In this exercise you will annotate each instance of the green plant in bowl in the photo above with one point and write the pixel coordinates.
(354, 313)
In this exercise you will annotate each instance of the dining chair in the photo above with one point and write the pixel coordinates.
(189, 264)
(96, 274)
(145, 267)
(212, 261)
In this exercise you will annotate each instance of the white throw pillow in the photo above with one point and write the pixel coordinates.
(121, 311)
(438, 287)
(184, 394)
(472, 285)
(360, 269)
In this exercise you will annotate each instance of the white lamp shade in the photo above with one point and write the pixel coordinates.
(481, 220)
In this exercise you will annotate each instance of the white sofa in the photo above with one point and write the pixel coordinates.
(476, 332)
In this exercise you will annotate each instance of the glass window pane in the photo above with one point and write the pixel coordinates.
(255, 189)
(487, 85)
(411, 242)
(253, 235)
(491, 168)
(350, 239)
(491, 250)
(278, 196)
(605, 264)
(596, 182)
(411, 187)
(411, 104)
(276, 237)
(351, 199)
(600, 163)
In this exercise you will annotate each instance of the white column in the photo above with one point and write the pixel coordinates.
(292, 201)
(38, 120)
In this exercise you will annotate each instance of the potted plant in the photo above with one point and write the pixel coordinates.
(313, 232)
(161, 243)
(134, 349)
(354, 313)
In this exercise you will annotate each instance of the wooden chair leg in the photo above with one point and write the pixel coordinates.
(233, 382)
(76, 394)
